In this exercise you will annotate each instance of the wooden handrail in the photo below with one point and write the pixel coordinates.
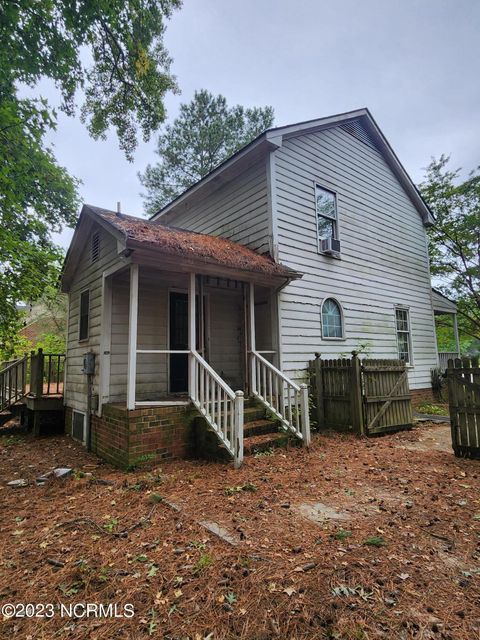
(221, 407)
(277, 372)
(228, 390)
(274, 390)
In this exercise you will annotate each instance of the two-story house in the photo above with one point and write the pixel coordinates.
(309, 239)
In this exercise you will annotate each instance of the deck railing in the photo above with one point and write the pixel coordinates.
(444, 357)
(47, 371)
(37, 374)
(221, 407)
(280, 395)
(13, 382)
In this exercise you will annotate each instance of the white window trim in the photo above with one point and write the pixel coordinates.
(342, 338)
(82, 340)
(318, 184)
(402, 307)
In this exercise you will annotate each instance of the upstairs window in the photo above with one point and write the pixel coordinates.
(332, 319)
(84, 322)
(404, 342)
(326, 207)
(95, 247)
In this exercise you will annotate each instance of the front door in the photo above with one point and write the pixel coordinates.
(178, 341)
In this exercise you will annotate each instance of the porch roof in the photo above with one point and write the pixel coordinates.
(192, 246)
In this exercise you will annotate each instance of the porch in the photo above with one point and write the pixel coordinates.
(172, 339)
(445, 313)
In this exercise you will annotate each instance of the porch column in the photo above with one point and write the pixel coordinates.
(191, 335)
(251, 334)
(455, 330)
(132, 337)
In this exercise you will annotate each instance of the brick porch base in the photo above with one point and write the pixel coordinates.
(148, 435)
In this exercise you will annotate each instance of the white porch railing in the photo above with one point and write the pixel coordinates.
(445, 356)
(280, 395)
(221, 407)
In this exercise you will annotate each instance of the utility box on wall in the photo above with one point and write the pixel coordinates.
(88, 364)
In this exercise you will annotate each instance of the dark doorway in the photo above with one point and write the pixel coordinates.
(178, 340)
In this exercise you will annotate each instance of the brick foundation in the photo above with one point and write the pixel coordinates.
(420, 396)
(147, 435)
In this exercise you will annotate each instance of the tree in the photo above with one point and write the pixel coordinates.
(124, 82)
(455, 238)
(205, 133)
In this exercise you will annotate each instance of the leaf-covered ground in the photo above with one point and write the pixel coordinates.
(353, 539)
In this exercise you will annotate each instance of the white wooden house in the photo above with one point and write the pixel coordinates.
(309, 239)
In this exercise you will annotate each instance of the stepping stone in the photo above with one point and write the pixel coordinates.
(18, 484)
(320, 512)
(62, 472)
(219, 531)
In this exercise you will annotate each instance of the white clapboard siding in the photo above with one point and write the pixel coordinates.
(384, 260)
(87, 276)
(236, 210)
(152, 333)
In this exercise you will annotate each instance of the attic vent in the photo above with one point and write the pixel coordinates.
(356, 130)
(95, 248)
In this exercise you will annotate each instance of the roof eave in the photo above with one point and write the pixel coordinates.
(150, 252)
(232, 165)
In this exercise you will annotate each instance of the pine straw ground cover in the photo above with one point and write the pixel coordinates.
(403, 562)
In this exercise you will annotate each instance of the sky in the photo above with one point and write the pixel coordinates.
(413, 63)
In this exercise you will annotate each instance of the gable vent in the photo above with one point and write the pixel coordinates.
(356, 130)
(95, 248)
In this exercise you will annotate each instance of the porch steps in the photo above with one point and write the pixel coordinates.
(260, 433)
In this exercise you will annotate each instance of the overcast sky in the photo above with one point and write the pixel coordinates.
(413, 63)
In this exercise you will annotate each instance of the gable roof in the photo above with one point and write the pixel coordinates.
(137, 233)
(272, 139)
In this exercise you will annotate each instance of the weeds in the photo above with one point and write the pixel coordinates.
(375, 541)
(202, 563)
(342, 534)
(246, 486)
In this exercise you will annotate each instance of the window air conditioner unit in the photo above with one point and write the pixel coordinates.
(330, 245)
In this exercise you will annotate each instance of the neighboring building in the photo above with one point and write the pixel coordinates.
(309, 239)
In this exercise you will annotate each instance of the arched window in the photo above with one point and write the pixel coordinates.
(332, 319)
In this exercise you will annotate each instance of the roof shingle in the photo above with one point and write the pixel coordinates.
(188, 244)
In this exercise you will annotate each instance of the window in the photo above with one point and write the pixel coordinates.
(332, 319)
(95, 247)
(403, 335)
(326, 207)
(84, 315)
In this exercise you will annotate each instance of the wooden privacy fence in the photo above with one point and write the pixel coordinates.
(464, 399)
(366, 397)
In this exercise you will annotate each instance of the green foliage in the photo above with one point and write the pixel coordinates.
(206, 133)
(14, 346)
(342, 534)
(375, 541)
(246, 486)
(51, 343)
(202, 563)
(454, 239)
(124, 83)
(431, 409)
(110, 525)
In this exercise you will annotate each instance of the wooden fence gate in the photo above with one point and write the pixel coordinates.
(464, 399)
(367, 397)
(387, 404)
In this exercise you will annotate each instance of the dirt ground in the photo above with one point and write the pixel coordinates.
(352, 539)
